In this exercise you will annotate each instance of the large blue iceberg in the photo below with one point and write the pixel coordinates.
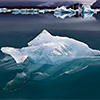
(48, 49)
(48, 57)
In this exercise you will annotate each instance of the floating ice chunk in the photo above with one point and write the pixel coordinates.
(4, 10)
(48, 10)
(36, 10)
(45, 10)
(31, 11)
(88, 9)
(15, 11)
(88, 12)
(0, 10)
(42, 11)
(9, 10)
(97, 10)
(64, 10)
(24, 11)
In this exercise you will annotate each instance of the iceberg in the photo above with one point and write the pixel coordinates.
(88, 9)
(49, 57)
(4, 10)
(31, 11)
(42, 11)
(49, 10)
(15, 11)
(24, 11)
(63, 9)
(88, 12)
(48, 49)
(62, 12)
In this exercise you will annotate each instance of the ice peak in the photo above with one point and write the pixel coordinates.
(41, 38)
(44, 32)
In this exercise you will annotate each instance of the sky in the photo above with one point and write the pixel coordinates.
(44, 2)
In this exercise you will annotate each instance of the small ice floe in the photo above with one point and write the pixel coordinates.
(49, 10)
(0, 10)
(4, 10)
(45, 10)
(42, 11)
(24, 11)
(9, 10)
(15, 11)
(36, 11)
(31, 11)
(97, 10)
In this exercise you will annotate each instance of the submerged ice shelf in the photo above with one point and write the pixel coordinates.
(48, 57)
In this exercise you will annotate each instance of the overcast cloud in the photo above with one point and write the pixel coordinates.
(90, 2)
(83, 1)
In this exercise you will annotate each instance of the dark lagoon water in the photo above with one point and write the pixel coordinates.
(18, 30)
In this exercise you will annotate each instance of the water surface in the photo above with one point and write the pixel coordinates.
(18, 30)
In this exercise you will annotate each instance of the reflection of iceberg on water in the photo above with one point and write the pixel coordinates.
(64, 15)
(87, 15)
(48, 57)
